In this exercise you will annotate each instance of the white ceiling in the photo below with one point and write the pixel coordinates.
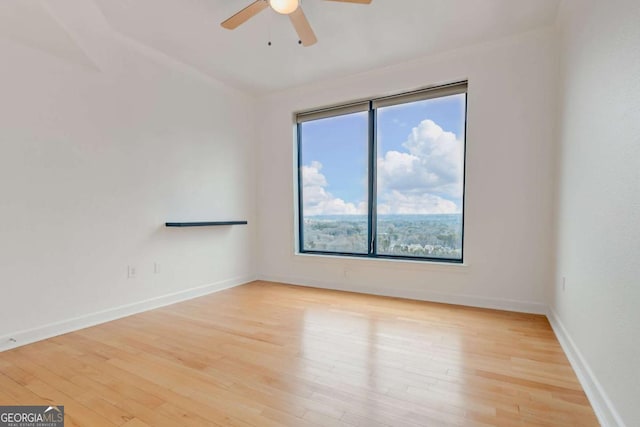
(352, 38)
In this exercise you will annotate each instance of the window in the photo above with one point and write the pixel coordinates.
(385, 178)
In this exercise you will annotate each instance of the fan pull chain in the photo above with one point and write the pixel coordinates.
(269, 21)
(300, 41)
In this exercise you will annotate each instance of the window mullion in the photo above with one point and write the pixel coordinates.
(372, 181)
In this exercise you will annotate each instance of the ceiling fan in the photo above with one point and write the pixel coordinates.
(284, 7)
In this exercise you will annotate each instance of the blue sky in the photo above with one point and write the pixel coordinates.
(340, 144)
(410, 138)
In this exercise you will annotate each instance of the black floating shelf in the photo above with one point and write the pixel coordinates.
(204, 223)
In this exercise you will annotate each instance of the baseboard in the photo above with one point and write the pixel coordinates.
(602, 405)
(421, 295)
(25, 337)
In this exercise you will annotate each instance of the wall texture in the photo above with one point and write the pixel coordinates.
(508, 236)
(97, 152)
(599, 197)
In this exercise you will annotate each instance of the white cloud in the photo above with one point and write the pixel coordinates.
(402, 203)
(426, 178)
(312, 177)
(318, 201)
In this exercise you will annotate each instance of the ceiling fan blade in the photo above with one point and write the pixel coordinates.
(303, 28)
(354, 1)
(245, 14)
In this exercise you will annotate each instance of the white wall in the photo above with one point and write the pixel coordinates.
(96, 153)
(599, 198)
(508, 236)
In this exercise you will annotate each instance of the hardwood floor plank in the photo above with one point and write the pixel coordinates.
(267, 354)
(135, 422)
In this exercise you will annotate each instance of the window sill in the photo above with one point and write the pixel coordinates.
(400, 262)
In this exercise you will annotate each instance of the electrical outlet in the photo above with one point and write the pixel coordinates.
(156, 268)
(131, 272)
(564, 283)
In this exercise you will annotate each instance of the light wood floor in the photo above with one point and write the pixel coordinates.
(265, 354)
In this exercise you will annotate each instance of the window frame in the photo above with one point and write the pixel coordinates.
(433, 92)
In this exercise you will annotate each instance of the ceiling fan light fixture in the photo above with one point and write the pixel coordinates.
(284, 7)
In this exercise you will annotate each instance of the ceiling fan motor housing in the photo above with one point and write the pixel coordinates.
(284, 7)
